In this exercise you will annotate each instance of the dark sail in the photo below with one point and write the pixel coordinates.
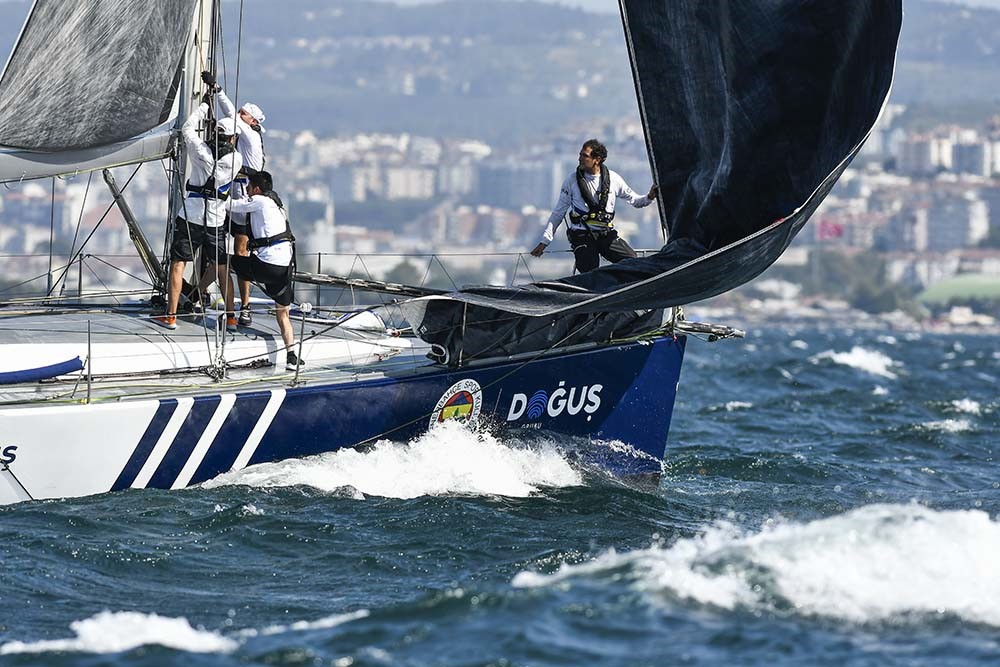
(752, 111)
(87, 74)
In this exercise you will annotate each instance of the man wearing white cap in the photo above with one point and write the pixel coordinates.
(200, 223)
(250, 144)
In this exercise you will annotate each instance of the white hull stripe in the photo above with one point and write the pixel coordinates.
(163, 443)
(205, 441)
(142, 451)
(264, 423)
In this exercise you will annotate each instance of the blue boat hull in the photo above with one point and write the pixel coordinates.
(614, 403)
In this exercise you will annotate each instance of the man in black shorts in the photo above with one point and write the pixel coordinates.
(202, 217)
(272, 255)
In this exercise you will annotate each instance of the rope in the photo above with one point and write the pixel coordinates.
(6, 468)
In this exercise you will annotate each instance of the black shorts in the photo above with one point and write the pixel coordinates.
(589, 247)
(237, 228)
(276, 281)
(189, 237)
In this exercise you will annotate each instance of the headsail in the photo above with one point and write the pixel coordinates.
(752, 111)
(91, 84)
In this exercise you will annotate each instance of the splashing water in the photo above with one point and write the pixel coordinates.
(876, 563)
(115, 632)
(449, 459)
(869, 361)
(967, 405)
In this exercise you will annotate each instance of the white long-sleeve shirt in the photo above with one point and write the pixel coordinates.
(266, 219)
(570, 197)
(249, 143)
(197, 209)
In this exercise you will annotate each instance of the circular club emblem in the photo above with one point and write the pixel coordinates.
(462, 402)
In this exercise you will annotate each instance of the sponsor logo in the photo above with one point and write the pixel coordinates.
(462, 402)
(568, 400)
(8, 454)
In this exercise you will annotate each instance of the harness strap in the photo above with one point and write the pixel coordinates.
(597, 214)
(208, 190)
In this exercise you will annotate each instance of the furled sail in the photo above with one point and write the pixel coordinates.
(752, 111)
(91, 84)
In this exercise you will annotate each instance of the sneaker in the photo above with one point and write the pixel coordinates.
(231, 326)
(166, 321)
(246, 319)
(292, 361)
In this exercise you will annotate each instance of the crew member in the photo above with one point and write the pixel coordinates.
(589, 196)
(201, 219)
(250, 144)
(271, 261)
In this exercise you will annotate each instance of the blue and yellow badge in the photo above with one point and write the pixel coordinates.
(461, 402)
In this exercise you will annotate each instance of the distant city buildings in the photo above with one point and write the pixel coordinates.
(929, 200)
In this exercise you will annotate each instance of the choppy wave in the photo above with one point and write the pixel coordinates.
(115, 632)
(876, 563)
(869, 361)
(301, 626)
(949, 426)
(967, 405)
(449, 459)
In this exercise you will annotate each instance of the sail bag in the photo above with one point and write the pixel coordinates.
(752, 110)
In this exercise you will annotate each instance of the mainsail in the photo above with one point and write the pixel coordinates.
(752, 111)
(91, 84)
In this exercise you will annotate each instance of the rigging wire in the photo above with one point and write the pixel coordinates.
(79, 223)
(94, 230)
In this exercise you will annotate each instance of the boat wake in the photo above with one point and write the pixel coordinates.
(448, 460)
(880, 563)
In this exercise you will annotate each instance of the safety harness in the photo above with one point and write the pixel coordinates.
(208, 190)
(268, 241)
(597, 217)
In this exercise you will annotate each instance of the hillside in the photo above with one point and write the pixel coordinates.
(507, 70)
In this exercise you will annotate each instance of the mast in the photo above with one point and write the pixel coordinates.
(199, 55)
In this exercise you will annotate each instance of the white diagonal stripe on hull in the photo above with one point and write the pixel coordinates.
(266, 417)
(205, 441)
(184, 406)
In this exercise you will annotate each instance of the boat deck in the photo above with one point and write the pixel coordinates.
(132, 357)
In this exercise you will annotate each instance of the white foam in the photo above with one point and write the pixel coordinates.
(449, 459)
(967, 405)
(869, 361)
(949, 425)
(115, 632)
(888, 340)
(300, 626)
(879, 390)
(875, 563)
(738, 405)
(799, 344)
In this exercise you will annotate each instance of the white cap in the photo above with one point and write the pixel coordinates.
(226, 126)
(254, 111)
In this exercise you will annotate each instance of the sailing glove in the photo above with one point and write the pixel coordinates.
(210, 81)
(207, 99)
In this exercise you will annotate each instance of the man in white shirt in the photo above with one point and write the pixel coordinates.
(271, 259)
(201, 220)
(589, 196)
(250, 144)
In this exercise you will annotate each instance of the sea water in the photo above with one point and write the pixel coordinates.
(828, 498)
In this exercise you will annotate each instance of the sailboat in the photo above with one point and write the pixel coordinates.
(751, 111)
